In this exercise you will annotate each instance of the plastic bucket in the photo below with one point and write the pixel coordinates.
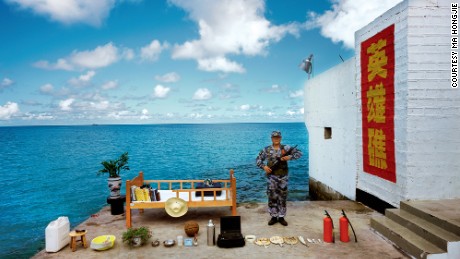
(57, 234)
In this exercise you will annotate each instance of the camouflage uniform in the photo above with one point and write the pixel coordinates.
(277, 180)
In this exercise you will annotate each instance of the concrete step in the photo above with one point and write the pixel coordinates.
(407, 240)
(420, 226)
(442, 213)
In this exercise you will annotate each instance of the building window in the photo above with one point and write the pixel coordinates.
(327, 132)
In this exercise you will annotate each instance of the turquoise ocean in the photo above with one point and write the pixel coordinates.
(51, 171)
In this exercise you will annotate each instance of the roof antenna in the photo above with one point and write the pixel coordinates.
(307, 65)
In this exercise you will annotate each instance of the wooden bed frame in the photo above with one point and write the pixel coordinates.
(186, 191)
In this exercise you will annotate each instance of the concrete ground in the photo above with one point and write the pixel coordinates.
(305, 219)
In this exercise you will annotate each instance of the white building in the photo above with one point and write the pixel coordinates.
(370, 145)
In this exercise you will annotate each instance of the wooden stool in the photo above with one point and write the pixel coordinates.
(73, 239)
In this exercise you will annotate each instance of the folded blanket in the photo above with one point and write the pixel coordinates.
(208, 193)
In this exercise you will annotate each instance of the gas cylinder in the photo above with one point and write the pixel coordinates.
(328, 228)
(343, 222)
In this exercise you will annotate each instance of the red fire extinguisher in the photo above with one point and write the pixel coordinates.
(344, 222)
(328, 228)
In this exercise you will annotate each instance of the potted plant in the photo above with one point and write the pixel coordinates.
(136, 236)
(114, 168)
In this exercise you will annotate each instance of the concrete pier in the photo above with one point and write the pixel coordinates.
(305, 219)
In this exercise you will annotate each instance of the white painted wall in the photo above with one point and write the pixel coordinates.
(427, 109)
(330, 101)
(433, 125)
(427, 112)
(383, 189)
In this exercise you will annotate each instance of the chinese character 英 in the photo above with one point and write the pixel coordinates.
(377, 60)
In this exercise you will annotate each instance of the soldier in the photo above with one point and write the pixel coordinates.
(276, 171)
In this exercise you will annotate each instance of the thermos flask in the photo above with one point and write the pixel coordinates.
(211, 233)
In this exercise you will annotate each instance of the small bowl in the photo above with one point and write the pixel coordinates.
(250, 238)
(156, 243)
(169, 242)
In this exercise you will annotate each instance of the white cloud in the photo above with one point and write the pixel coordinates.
(101, 56)
(228, 27)
(348, 16)
(83, 79)
(160, 91)
(220, 64)
(152, 51)
(145, 115)
(46, 88)
(44, 116)
(110, 85)
(100, 105)
(40, 116)
(120, 115)
(299, 111)
(92, 101)
(213, 108)
(168, 78)
(61, 64)
(229, 91)
(64, 105)
(245, 107)
(8, 110)
(196, 115)
(202, 94)
(69, 11)
(5, 83)
(296, 94)
(127, 54)
(291, 113)
(274, 89)
(64, 91)
(87, 77)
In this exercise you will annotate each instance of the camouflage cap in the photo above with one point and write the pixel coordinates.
(276, 133)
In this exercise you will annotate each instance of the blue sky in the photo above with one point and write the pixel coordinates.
(178, 61)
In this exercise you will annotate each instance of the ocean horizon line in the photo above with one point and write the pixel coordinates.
(149, 124)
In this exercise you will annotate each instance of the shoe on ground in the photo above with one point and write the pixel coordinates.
(282, 221)
(272, 221)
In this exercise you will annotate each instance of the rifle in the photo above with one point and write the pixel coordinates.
(278, 159)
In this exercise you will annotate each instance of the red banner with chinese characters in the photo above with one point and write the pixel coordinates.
(377, 101)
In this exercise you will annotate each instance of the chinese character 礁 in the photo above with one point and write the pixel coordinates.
(377, 148)
(377, 60)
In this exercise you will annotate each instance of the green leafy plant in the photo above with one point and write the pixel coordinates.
(114, 167)
(142, 232)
